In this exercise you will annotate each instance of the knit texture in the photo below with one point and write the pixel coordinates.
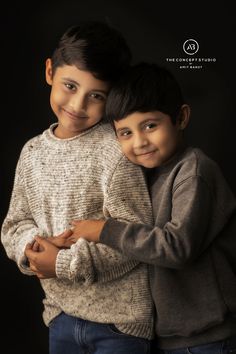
(83, 177)
(191, 249)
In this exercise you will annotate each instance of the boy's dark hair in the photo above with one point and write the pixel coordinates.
(93, 46)
(145, 87)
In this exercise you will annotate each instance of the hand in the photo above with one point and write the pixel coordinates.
(63, 240)
(88, 229)
(43, 260)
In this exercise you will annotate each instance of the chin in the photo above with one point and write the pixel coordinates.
(148, 164)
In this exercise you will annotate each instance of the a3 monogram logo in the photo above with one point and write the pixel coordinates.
(190, 46)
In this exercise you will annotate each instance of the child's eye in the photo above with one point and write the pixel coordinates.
(124, 134)
(150, 126)
(97, 96)
(70, 86)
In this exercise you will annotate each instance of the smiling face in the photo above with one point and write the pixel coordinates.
(150, 139)
(77, 99)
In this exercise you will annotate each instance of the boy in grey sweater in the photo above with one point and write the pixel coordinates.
(191, 249)
(97, 300)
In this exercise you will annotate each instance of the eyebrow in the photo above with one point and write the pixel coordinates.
(76, 83)
(157, 119)
(121, 129)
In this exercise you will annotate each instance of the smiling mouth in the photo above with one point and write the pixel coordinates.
(146, 153)
(74, 115)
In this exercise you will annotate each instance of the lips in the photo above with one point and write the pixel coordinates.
(74, 115)
(146, 153)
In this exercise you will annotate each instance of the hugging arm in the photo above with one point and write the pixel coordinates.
(182, 239)
(126, 199)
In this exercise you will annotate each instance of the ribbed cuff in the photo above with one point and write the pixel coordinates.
(63, 264)
(73, 268)
(21, 259)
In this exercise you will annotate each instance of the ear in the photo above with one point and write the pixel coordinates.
(48, 71)
(183, 117)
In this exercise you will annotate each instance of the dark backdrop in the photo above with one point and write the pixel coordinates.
(155, 31)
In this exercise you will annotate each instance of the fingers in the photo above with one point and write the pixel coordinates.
(33, 267)
(32, 249)
(75, 222)
(28, 246)
(36, 272)
(40, 275)
(67, 233)
(43, 243)
(71, 240)
(36, 247)
(41, 240)
(30, 254)
(52, 239)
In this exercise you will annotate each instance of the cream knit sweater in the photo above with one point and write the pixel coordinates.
(86, 176)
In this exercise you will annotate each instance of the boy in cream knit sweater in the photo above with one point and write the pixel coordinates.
(96, 299)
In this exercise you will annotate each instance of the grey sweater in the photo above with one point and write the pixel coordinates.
(82, 177)
(191, 250)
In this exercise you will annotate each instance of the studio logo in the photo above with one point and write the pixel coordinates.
(190, 46)
(190, 61)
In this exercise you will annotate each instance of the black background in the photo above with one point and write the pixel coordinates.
(155, 31)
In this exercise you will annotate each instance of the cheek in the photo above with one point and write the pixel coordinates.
(166, 138)
(127, 150)
(96, 111)
(57, 98)
(168, 143)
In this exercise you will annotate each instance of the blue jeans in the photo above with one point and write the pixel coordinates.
(226, 346)
(72, 335)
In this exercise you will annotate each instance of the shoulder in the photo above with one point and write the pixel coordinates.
(196, 164)
(108, 138)
(106, 144)
(205, 166)
(32, 145)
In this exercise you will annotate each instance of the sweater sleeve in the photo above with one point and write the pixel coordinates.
(195, 221)
(18, 227)
(127, 199)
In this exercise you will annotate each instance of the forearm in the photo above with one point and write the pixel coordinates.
(15, 236)
(92, 262)
(176, 242)
(132, 239)
(152, 245)
(18, 227)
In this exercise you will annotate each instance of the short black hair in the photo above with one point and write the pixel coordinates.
(145, 87)
(95, 47)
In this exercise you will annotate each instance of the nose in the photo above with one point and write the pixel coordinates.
(139, 141)
(78, 102)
